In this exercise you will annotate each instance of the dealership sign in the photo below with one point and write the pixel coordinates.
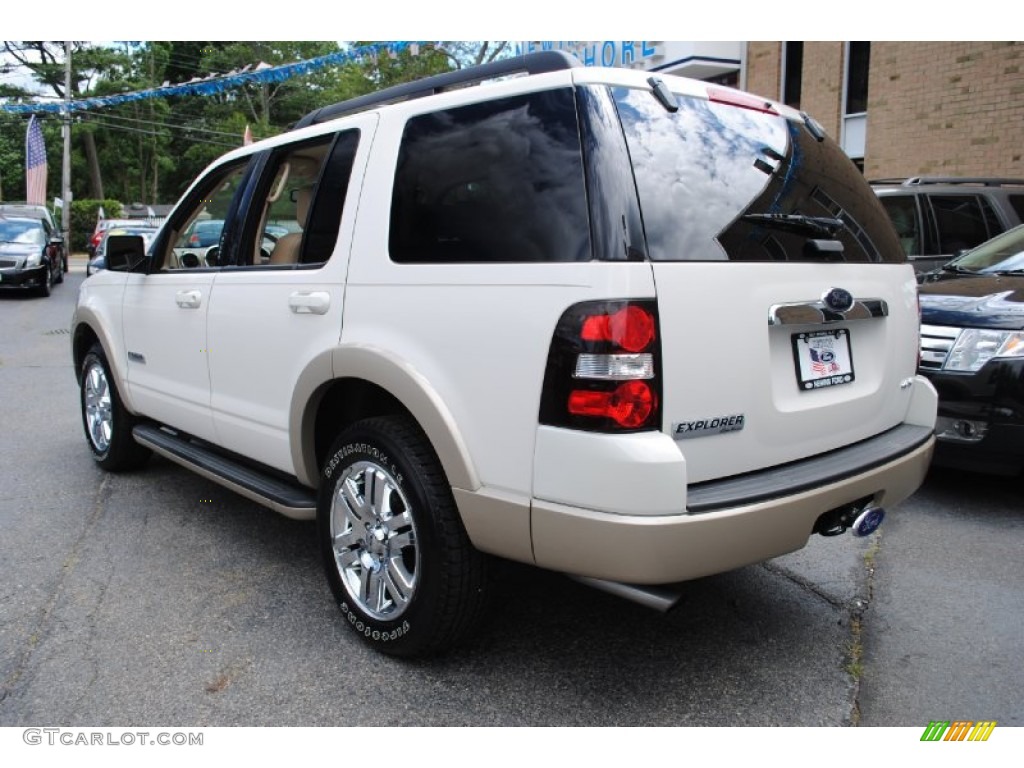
(604, 53)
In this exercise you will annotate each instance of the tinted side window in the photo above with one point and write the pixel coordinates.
(329, 202)
(902, 210)
(194, 238)
(960, 222)
(1017, 201)
(299, 202)
(500, 181)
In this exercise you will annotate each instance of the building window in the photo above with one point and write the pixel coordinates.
(855, 101)
(858, 60)
(792, 72)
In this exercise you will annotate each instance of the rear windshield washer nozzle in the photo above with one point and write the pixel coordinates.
(665, 97)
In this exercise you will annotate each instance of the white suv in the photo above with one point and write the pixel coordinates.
(635, 330)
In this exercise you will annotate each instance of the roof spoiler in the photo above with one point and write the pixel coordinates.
(530, 64)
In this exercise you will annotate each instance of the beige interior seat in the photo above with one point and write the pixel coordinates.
(286, 250)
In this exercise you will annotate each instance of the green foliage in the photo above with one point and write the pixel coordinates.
(84, 214)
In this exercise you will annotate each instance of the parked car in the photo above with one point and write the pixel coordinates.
(101, 227)
(29, 211)
(32, 255)
(937, 218)
(972, 349)
(99, 261)
(637, 329)
(199, 244)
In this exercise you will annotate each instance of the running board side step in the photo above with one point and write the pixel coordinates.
(289, 499)
(661, 599)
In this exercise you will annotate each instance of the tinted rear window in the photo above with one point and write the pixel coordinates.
(500, 181)
(701, 170)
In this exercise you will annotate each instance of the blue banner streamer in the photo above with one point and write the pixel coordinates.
(219, 83)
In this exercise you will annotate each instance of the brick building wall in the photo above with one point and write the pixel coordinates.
(941, 108)
(946, 108)
(764, 69)
(821, 94)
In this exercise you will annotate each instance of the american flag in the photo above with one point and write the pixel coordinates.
(35, 164)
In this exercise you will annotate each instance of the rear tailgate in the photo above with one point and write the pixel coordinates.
(736, 395)
(788, 316)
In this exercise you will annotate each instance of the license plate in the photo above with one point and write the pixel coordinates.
(823, 358)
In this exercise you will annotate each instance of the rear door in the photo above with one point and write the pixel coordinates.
(278, 302)
(787, 311)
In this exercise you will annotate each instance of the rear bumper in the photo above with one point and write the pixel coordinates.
(662, 549)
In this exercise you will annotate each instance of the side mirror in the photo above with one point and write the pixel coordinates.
(125, 252)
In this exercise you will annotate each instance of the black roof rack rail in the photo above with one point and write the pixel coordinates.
(530, 64)
(916, 181)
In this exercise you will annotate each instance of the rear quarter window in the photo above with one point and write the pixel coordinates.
(500, 181)
(960, 221)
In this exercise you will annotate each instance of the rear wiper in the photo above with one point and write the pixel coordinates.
(795, 222)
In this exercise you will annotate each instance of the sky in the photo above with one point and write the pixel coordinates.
(524, 19)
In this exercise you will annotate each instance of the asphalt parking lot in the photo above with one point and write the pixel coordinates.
(159, 597)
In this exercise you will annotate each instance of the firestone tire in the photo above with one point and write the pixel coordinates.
(398, 559)
(108, 426)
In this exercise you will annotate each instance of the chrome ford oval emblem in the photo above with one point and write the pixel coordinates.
(838, 300)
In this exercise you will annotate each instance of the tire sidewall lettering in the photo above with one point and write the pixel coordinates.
(370, 452)
(367, 630)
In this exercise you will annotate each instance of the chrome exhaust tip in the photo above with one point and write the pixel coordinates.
(661, 599)
(867, 522)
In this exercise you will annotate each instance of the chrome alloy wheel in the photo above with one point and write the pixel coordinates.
(374, 540)
(99, 417)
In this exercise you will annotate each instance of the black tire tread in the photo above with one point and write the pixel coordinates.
(461, 596)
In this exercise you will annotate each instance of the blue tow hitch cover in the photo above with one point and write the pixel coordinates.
(867, 522)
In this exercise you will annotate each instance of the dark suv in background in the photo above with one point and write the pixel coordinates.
(972, 349)
(937, 218)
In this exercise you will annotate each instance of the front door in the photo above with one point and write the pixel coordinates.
(165, 315)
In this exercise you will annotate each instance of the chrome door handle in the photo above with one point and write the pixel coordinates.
(189, 299)
(310, 303)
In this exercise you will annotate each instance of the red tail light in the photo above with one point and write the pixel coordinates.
(604, 368)
(629, 405)
(631, 328)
